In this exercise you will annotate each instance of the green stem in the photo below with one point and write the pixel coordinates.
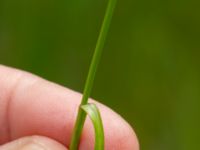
(91, 75)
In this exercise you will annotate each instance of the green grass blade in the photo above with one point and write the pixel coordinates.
(98, 50)
(95, 116)
(91, 75)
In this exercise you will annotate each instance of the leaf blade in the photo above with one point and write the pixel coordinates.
(94, 114)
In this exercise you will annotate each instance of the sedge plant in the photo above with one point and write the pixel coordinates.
(91, 109)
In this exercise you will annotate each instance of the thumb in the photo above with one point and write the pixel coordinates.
(33, 143)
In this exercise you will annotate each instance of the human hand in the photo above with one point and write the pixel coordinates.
(36, 114)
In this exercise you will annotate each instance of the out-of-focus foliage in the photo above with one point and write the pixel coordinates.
(150, 71)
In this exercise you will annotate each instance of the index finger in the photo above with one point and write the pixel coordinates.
(30, 105)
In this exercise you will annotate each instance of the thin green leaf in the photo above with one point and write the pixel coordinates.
(95, 116)
(91, 75)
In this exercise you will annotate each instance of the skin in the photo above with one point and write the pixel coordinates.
(33, 110)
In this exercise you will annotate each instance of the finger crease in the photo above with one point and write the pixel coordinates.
(8, 108)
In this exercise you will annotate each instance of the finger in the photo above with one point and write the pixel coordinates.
(33, 143)
(33, 106)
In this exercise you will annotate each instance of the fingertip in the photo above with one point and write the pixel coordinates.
(33, 143)
(123, 134)
(119, 135)
(51, 111)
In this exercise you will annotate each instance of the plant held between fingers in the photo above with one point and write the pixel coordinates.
(91, 109)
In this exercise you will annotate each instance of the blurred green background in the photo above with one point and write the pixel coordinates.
(150, 70)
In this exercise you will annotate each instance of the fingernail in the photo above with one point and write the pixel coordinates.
(33, 143)
(32, 146)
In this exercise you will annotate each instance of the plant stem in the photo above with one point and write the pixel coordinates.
(91, 75)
